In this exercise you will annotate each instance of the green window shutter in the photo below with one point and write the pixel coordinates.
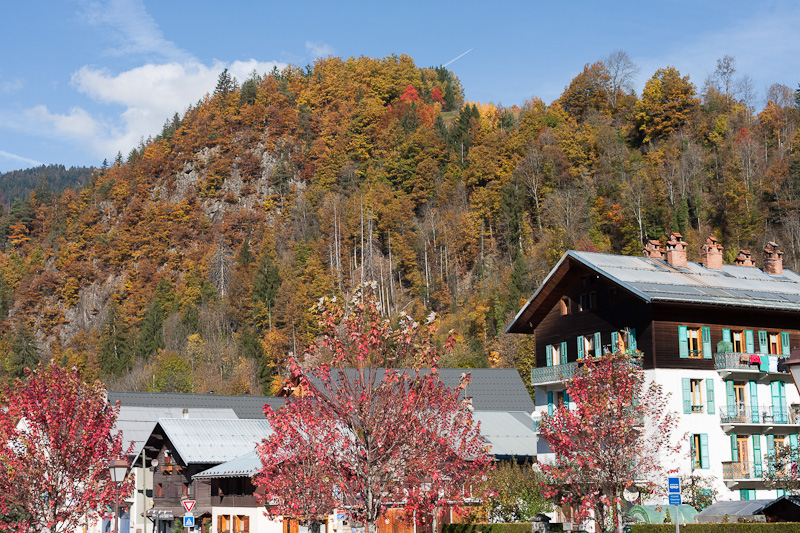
(704, 462)
(566, 399)
(731, 398)
(754, 402)
(687, 396)
(793, 446)
(751, 494)
(780, 492)
(726, 335)
(692, 452)
(550, 403)
(564, 358)
(757, 455)
(707, 343)
(683, 342)
(710, 395)
(785, 347)
(734, 449)
(614, 341)
(775, 389)
(580, 347)
(749, 346)
(598, 348)
(784, 413)
(770, 448)
(763, 347)
(548, 354)
(744, 495)
(632, 344)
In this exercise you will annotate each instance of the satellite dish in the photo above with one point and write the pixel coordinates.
(631, 494)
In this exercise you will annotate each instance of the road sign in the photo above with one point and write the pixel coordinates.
(674, 484)
(188, 520)
(188, 505)
(674, 498)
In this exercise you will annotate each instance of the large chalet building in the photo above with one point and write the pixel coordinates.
(714, 336)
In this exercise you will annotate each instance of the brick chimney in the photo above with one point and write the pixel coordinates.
(712, 253)
(676, 250)
(653, 250)
(773, 259)
(743, 258)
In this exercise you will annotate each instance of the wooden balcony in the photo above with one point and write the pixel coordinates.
(762, 419)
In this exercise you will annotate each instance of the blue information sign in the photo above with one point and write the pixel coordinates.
(674, 499)
(188, 521)
(674, 484)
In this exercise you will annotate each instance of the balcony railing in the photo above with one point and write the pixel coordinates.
(551, 374)
(762, 414)
(738, 470)
(558, 373)
(747, 361)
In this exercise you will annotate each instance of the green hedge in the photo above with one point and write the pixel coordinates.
(780, 527)
(522, 527)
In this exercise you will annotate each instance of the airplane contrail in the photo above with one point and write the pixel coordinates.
(458, 57)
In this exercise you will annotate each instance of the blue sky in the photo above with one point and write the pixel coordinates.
(81, 80)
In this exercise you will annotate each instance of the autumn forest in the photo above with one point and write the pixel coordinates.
(192, 263)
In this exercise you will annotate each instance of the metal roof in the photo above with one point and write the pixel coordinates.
(491, 389)
(213, 440)
(509, 434)
(243, 466)
(243, 406)
(733, 509)
(655, 280)
(137, 423)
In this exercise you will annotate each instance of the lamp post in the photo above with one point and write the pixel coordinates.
(117, 468)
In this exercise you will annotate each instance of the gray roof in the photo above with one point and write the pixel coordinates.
(243, 406)
(509, 434)
(243, 466)
(213, 440)
(491, 389)
(734, 510)
(137, 423)
(655, 280)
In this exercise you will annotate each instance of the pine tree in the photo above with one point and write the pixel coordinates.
(24, 352)
(115, 351)
(150, 335)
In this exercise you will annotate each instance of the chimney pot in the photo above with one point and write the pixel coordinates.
(653, 250)
(773, 259)
(712, 253)
(676, 250)
(744, 258)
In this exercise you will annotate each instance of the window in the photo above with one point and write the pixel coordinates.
(565, 305)
(241, 524)
(223, 523)
(612, 296)
(775, 344)
(185, 490)
(738, 341)
(694, 342)
(159, 490)
(699, 450)
(592, 300)
(697, 395)
(583, 304)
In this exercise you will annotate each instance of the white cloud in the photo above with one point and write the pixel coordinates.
(19, 159)
(316, 50)
(150, 94)
(11, 86)
(134, 30)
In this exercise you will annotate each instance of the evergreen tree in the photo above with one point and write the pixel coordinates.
(266, 283)
(226, 84)
(24, 352)
(150, 335)
(115, 351)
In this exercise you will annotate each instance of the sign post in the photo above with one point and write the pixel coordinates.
(674, 495)
(188, 518)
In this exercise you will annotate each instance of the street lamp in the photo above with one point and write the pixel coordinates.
(117, 468)
(794, 366)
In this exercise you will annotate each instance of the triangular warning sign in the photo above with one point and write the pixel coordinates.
(188, 505)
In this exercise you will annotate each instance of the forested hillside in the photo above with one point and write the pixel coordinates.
(192, 264)
(18, 184)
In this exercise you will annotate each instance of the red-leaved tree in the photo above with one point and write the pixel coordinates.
(619, 434)
(57, 444)
(374, 428)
